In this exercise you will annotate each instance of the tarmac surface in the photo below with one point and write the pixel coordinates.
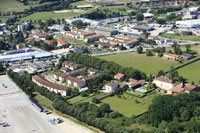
(21, 116)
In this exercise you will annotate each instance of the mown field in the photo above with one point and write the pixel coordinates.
(48, 15)
(128, 105)
(189, 37)
(191, 72)
(147, 64)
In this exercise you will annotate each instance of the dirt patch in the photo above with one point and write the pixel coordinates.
(64, 11)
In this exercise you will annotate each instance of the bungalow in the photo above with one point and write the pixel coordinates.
(164, 82)
(186, 56)
(119, 76)
(171, 56)
(132, 80)
(63, 90)
(30, 38)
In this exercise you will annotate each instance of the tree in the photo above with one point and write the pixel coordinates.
(149, 53)
(160, 21)
(95, 100)
(188, 48)
(173, 73)
(139, 16)
(104, 108)
(1, 68)
(161, 73)
(139, 50)
(66, 27)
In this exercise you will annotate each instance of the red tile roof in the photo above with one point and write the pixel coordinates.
(173, 55)
(119, 75)
(48, 42)
(62, 42)
(37, 39)
(29, 38)
(46, 83)
(123, 1)
(132, 80)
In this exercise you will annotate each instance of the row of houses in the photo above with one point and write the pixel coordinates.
(86, 36)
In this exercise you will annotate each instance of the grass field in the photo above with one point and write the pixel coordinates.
(142, 62)
(191, 72)
(48, 15)
(189, 37)
(85, 99)
(79, 3)
(43, 101)
(11, 5)
(128, 106)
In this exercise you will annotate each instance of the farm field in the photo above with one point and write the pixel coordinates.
(129, 106)
(147, 64)
(189, 37)
(47, 15)
(191, 72)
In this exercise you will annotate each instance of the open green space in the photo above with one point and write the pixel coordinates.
(191, 72)
(128, 105)
(43, 101)
(11, 5)
(79, 3)
(47, 15)
(147, 64)
(189, 37)
(85, 99)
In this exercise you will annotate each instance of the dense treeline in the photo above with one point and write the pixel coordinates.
(79, 112)
(174, 113)
(165, 10)
(101, 14)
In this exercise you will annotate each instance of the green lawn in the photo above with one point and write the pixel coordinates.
(48, 15)
(43, 101)
(191, 72)
(142, 62)
(11, 5)
(79, 3)
(189, 37)
(86, 99)
(127, 105)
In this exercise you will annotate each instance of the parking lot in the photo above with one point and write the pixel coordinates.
(21, 116)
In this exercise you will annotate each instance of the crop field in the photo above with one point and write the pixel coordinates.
(128, 105)
(48, 15)
(147, 64)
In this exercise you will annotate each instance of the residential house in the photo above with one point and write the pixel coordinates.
(62, 43)
(137, 83)
(111, 87)
(93, 38)
(186, 56)
(119, 76)
(172, 56)
(183, 88)
(71, 65)
(75, 82)
(49, 42)
(164, 82)
(59, 76)
(76, 72)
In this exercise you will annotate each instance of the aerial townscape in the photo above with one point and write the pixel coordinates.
(100, 66)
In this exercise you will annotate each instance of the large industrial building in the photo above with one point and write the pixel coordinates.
(194, 23)
(23, 54)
